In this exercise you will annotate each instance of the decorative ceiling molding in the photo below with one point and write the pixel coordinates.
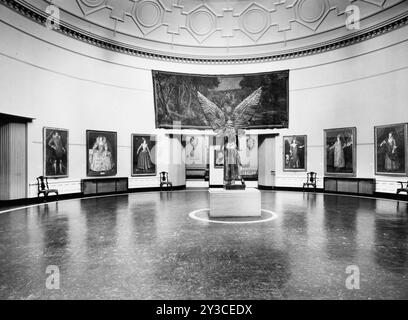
(204, 24)
(201, 22)
(311, 13)
(147, 15)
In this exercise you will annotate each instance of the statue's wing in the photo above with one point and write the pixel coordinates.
(214, 116)
(244, 112)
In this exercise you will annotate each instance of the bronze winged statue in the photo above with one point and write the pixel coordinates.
(229, 126)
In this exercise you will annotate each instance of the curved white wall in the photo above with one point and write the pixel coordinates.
(69, 84)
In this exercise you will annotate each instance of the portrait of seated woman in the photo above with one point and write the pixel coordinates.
(101, 153)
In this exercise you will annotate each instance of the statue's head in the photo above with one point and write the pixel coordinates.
(230, 123)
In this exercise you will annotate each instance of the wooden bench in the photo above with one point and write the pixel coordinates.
(349, 185)
(104, 185)
(196, 173)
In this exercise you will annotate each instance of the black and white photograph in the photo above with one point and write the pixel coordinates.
(204, 159)
(294, 153)
(101, 153)
(55, 146)
(143, 155)
(391, 149)
(340, 151)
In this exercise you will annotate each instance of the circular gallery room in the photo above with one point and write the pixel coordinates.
(204, 150)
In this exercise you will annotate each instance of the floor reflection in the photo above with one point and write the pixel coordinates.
(100, 218)
(144, 246)
(340, 217)
(391, 244)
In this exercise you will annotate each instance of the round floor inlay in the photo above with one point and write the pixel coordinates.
(202, 215)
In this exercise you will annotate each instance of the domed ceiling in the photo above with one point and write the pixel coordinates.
(219, 29)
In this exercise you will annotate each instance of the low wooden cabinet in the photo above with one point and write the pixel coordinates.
(104, 185)
(349, 185)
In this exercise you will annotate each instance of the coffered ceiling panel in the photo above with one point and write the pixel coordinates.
(220, 28)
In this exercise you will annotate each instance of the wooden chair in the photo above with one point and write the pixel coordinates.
(164, 180)
(43, 188)
(207, 173)
(404, 187)
(310, 180)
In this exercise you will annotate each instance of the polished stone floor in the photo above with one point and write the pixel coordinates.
(145, 246)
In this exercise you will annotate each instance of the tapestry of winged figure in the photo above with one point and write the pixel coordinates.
(229, 125)
(177, 104)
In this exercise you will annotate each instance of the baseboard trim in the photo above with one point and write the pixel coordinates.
(175, 188)
(79, 195)
(30, 201)
(216, 186)
(68, 196)
(381, 195)
(392, 196)
(261, 187)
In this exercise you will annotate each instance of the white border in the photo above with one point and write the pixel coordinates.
(193, 215)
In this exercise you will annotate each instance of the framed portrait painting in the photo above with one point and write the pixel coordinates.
(55, 152)
(295, 153)
(218, 158)
(340, 152)
(143, 155)
(248, 152)
(101, 153)
(391, 149)
(195, 148)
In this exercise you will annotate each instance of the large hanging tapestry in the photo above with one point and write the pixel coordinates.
(390, 149)
(101, 153)
(294, 153)
(55, 145)
(143, 155)
(177, 104)
(340, 151)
